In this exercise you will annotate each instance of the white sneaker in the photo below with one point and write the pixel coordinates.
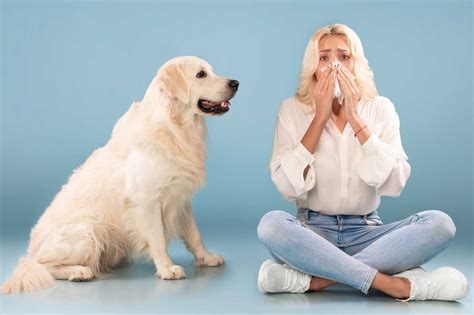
(412, 271)
(273, 278)
(445, 284)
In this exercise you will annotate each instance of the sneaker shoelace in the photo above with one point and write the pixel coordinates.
(294, 279)
(428, 288)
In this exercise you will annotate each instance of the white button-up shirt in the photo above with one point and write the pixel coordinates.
(344, 177)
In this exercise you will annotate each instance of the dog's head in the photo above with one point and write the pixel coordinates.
(192, 83)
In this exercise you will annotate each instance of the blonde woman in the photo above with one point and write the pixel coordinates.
(334, 155)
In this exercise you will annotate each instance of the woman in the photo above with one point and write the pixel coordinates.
(334, 157)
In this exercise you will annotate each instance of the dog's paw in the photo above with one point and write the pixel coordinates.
(210, 260)
(171, 273)
(80, 274)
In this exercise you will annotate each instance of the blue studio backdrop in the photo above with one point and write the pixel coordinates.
(70, 69)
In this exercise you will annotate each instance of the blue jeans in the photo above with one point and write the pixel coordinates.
(350, 249)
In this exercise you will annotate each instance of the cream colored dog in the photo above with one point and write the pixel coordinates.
(132, 195)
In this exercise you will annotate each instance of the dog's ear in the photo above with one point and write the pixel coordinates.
(172, 80)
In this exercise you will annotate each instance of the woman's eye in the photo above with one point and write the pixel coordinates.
(345, 57)
(201, 74)
(323, 58)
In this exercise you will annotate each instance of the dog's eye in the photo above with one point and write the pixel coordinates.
(201, 74)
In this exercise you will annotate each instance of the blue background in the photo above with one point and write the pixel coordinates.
(71, 69)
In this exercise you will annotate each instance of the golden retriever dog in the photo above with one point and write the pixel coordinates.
(131, 196)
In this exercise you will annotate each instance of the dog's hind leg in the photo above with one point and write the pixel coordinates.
(72, 273)
(71, 252)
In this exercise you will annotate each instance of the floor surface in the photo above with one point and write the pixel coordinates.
(222, 290)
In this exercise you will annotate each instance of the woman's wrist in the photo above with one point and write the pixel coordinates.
(358, 125)
(318, 121)
(355, 122)
(313, 134)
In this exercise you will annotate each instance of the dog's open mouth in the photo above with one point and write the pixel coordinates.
(214, 107)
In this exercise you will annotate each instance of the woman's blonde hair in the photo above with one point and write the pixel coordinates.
(363, 73)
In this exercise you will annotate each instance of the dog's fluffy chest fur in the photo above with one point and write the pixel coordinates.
(163, 159)
(184, 153)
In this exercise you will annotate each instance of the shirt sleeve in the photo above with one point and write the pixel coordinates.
(384, 163)
(289, 159)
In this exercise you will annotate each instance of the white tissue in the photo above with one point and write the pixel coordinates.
(337, 89)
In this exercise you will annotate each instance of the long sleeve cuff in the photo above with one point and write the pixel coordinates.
(293, 165)
(303, 154)
(377, 161)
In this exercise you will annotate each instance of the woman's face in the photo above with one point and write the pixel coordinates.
(334, 48)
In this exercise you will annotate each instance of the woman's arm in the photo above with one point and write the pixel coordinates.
(384, 163)
(291, 164)
(311, 138)
(290, 159)
(323, 95)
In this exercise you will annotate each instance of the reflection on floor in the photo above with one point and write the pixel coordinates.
(228, 289)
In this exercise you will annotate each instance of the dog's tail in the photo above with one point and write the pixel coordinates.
(29, 275)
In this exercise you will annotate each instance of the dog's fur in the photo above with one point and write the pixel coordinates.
(133, 194)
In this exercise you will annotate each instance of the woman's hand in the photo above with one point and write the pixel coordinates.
(351, 92)
(324, 94)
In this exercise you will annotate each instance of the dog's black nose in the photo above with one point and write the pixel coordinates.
(234, 84)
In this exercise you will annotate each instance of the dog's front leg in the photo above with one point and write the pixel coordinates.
(193, 241)
(151, 226)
